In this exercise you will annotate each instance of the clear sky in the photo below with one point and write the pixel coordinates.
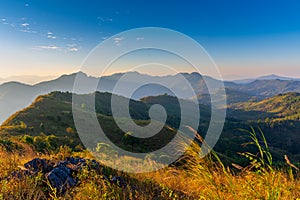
(245, 38)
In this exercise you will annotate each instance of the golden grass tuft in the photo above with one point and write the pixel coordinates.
(196, 178)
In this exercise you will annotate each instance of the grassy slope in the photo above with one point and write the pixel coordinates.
(283, 106)
(279, 117)
(49, 122)
(196, 179)
(51, 115)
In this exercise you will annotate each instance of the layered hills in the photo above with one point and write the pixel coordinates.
(15, 96)
(49, 119)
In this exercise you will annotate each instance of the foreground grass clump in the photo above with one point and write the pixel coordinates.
(209, 179)
(192, 178)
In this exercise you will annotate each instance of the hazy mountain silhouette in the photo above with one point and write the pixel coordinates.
(266, 88)
(267, 77)
(26, 79)
(15, 96)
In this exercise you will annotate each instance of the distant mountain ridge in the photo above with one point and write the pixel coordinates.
(266, 88)
(266, 77)
(15, 96)
(26, 79)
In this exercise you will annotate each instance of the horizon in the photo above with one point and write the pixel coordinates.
(149, 99)
(51, 38)
(35, 79)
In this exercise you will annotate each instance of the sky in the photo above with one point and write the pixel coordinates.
(244, 38)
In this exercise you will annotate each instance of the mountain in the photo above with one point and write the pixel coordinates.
(282, 107)
(15, 96)
(49, 119)
(267, 77)
(266, 88)
(26, 79)
(274, 77)
(174, 108)
(232, 96)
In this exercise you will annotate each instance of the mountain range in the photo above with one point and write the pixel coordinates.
(267, 77)
(49, 119)
(15, 96)
(27, 79)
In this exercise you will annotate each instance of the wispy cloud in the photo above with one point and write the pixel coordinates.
(67, 48)
(118, 40)
(27, 31)
(73, 49)
(25, 25)
(17, 26)
(4, 21)
(103, 19)
(51, 37)
(139, 38)
(50, 47)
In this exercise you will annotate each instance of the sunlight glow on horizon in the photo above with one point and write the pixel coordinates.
(50, 38)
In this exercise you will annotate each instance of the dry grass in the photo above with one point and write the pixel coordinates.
(196, 178)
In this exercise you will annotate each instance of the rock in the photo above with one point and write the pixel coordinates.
(61, 178)
(76, 161)
(20, 174)
(61, 174)
(38, 165)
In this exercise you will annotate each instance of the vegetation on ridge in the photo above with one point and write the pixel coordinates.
(196, 178)
(46, 130)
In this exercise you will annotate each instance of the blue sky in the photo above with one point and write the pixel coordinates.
(245, 38)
